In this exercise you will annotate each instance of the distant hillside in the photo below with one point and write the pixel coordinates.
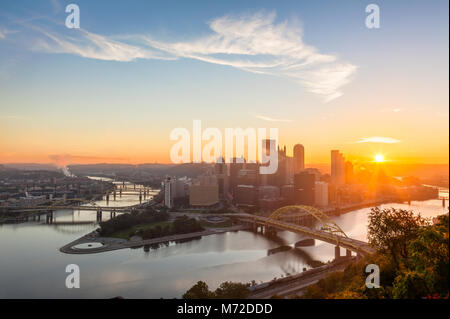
(157, 170)
(32, 166)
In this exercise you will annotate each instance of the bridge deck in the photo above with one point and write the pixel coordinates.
(345, 242)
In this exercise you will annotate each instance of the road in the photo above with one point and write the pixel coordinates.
(295, 285)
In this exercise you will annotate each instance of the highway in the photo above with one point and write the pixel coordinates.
(295, 284)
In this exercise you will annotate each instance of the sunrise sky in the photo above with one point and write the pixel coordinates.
(113, 90)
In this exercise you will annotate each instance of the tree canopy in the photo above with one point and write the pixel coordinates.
(412, 256)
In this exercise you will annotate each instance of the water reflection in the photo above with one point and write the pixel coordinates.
(31, 265)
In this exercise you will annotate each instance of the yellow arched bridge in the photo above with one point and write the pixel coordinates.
(295, 219)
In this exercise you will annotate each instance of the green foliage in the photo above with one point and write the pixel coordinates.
(390, 230)
(125, 221)
(226, 290)
(410, 285)
(184, 225)
(181, 225)
(232, 290)
(413, 258)
(199, 291)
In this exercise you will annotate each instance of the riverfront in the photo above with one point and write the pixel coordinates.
(33, 266)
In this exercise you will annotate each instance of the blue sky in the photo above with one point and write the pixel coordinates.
(170, 67)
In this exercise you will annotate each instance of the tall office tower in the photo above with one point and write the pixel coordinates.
(289, 170)
(337, 168)
(235, 167)
(169, 191)
(304, 188)
(349, 173)
(221, 172)
(268, 149)
(299, 158)
(321, 194)
(281, 175)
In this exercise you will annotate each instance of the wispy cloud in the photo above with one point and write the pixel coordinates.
(94, 46)
(396, 110)
(57, 7)
(253, 43)
(379, 139)
(4, 32)
(271, 119)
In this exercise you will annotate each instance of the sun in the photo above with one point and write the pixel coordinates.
(379, 158)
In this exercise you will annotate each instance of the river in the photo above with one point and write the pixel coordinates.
(31, 265)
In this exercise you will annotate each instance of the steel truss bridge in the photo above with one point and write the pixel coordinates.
(76, 204)
(296, 218)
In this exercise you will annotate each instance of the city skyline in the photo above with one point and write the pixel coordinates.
(194, 152)
(113, 90)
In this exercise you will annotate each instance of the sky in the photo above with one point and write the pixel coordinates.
(113, 90)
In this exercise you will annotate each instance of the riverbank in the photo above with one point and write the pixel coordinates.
(109, 244)
(336, 211)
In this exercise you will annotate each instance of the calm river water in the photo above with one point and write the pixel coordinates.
(31, 265)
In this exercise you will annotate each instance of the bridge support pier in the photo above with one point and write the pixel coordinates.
(269, 231)
(348, 253)
(49, 217)
(337, 252)
(99, 215)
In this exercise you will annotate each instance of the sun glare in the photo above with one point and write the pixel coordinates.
(379, 158)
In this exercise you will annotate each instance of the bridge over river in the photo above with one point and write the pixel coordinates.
(300, 219)
(297, 219)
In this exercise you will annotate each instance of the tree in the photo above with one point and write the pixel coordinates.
(429, 255)
(199, 291)
(390, 230)
(232, 290)
(410, 285)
